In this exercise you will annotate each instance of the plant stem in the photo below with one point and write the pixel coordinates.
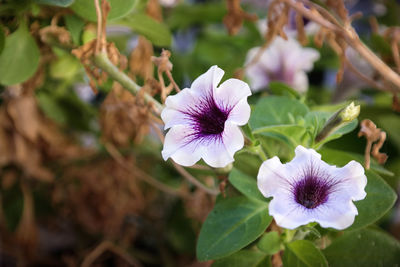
(260, 151)
(101, 60)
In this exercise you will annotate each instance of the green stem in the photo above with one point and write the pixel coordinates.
(101, 60)
(289, 234)
(260, 151)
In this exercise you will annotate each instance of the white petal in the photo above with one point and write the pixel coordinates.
(299, 58)
(337, 214)
(300, 82)
(216, 155)
(309, 56)
(206, 83)
(304, 160)
(271, 177)
(174, 105)
(258, 77)
(233, 138)
(287, 213)
(230, 92)
(352, 180)
(177, 147)
(240, 114)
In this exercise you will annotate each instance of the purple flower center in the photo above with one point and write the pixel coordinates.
(207, 118)
(312, 191)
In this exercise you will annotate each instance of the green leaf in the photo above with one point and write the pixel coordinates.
(2, 39)
(276, 110)
(270, 243)
(364, 247)
(280, 118)
(380, 196)
(279, 88)
(62, 3)
(119, 9)
(291, 135)
(247, 258)
(231, 225)
(380, 199)
(303, 253)
(65, 67)
(156, 32)
(75, 26)
(247, 185)
(12, 212)
(20, 57)
(184, 15)
(247, 163)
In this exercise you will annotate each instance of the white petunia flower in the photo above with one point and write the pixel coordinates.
(285, 61)
(204, 120)
(309, 190)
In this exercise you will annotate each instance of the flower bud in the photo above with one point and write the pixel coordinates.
(342, 116)
(350, 112)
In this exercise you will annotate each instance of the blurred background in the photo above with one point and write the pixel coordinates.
(82, 178)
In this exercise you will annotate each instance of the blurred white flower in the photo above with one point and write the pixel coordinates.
(309, 190)
(204, 120)
(284, 61)
(168, 3)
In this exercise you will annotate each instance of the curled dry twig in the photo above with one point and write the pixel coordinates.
(164, 65)
(372, 134)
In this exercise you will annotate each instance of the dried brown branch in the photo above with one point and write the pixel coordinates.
(235, 17)
(109, 246)
(364, 77)
(193, 180)
(116, 155)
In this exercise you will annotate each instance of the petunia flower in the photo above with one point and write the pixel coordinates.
(284, 61)
(204, 120)
(309, 190)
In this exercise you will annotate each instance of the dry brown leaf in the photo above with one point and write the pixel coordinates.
(153, 9)
(124, 117)
(28, 139)
(140, 62)
(235, 17)
(100, 195)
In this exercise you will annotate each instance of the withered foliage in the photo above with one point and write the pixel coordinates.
(100, 196)
(199, 204)
(278, 17)
(124, 117)
(373, 134)
(85, 54)
(28, 139)
(235, 17)
(140, 59)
